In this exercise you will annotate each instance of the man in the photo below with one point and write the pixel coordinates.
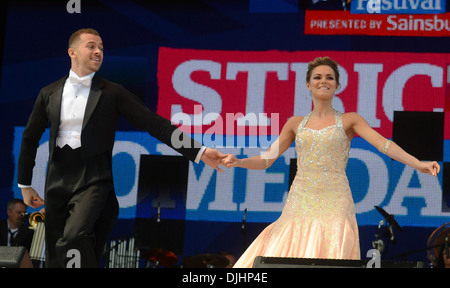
(83, 110)
(12, 230)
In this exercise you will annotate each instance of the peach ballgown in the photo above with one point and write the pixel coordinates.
(318, 219)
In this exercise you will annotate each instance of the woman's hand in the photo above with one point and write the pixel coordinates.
(431, 168)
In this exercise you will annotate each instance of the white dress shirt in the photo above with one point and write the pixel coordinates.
(73, 104)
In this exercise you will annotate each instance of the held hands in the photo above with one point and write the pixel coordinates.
(230, 161)
(31, 197)
(213, 158)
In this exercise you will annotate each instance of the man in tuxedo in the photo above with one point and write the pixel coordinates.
(83, 109)
(13, 232)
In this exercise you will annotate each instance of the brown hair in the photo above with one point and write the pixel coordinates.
(323, 61)
(12, 203)
(76, 35)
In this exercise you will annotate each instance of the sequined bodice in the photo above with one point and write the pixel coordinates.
(321, 151)
(320, 187)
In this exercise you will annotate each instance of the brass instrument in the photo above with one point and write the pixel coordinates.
(36, 220)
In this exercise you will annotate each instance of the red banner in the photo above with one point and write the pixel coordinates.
(345, 23)
(228, 90)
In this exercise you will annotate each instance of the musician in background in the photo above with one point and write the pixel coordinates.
(13, 231)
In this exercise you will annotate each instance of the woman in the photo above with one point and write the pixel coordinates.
(318, 219)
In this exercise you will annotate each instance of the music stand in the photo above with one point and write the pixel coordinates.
(161, 205)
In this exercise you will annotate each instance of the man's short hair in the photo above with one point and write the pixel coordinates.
(76, 35)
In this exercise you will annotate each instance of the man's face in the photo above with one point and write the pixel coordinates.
(87, 55)
(16, 215)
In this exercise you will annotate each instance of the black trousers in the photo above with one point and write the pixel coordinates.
(80, 207)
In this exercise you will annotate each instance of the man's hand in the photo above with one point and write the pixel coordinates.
(213, 158)
(31, 197)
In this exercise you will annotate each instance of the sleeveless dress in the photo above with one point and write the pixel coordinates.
(318, 219)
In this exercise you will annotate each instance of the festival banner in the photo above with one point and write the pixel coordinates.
(344, 23)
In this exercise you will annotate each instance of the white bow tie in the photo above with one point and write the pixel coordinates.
(86, 80)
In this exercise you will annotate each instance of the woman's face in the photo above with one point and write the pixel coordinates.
(322, 83)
